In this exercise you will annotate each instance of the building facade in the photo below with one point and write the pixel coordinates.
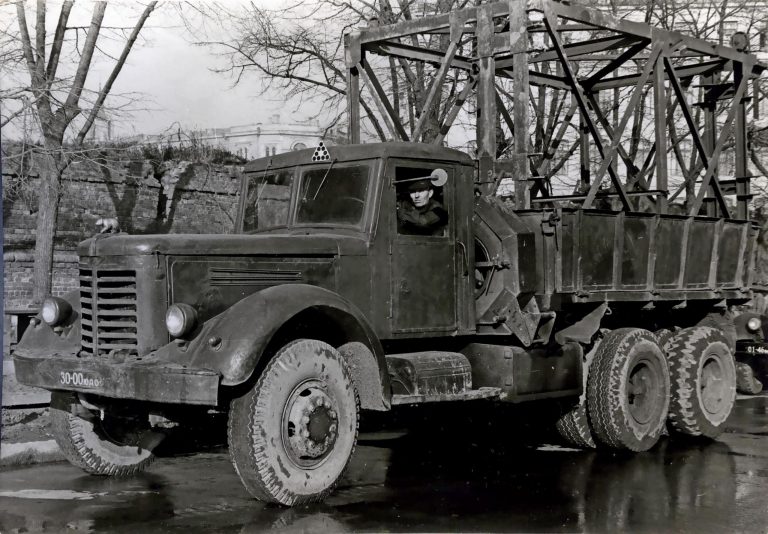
(250, 141)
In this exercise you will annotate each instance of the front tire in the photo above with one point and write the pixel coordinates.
(703, 375)
(101, 444)
(628, 390)
(292, 435)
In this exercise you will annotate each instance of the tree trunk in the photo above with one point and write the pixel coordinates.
(48, 211)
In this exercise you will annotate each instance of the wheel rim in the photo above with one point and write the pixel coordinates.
(643, 385)
(310, 424)
(712, 385)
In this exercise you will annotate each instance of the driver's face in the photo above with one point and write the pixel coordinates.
(421, 197)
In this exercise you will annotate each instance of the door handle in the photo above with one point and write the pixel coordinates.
(464, 257)
(404, 289)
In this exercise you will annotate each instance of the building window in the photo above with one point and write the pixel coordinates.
(299, 146)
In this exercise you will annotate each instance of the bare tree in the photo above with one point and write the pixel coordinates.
(298, 51)
(54, 91)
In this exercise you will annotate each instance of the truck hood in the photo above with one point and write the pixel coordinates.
(288, 244)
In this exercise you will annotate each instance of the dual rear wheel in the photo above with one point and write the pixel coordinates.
(635, 385)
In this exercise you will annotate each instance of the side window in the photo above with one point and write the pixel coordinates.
(267, 200)
(421, 201)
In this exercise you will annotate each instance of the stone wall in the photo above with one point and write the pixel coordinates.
(176, 197)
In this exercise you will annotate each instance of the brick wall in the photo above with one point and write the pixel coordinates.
(176, 198)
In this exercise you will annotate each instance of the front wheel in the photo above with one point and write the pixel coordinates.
(292, 435)
(102, 443)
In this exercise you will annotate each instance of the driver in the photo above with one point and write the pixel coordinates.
(419, 213)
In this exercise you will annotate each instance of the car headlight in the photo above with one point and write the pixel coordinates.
(754, 324)
(55, 310)
(180, 319)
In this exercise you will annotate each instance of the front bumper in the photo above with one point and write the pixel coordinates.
(133, 378)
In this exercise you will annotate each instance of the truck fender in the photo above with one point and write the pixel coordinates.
(233, 342)
(583, 329)
(41, 336)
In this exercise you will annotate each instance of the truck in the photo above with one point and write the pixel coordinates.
(328, 300)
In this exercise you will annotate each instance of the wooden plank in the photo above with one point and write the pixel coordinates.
(380, 96)
(453, 113)
(353, 55)
(684, 71)
(725, 132)
(601, 44)
(578, 92)
(616, 63)
(628, 113)
(660, 131)
(436, 87)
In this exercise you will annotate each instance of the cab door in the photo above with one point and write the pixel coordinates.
(423, 267)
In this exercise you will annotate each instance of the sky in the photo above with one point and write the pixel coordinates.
(172, 77)
(180, 86)
(177, 79)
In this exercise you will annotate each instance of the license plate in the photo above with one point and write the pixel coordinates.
(757, 349)
(79, 379)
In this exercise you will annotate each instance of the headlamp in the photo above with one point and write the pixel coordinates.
(55, 310)
(754, 324)
(180, 319)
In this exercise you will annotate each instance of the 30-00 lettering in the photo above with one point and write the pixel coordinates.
(79, 379)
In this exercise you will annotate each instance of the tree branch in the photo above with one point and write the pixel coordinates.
(70, 108)
(58, 41)
(115, 72)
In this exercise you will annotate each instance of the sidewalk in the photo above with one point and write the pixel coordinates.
(24, 434)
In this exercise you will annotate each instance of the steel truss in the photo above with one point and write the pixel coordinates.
(493, 43)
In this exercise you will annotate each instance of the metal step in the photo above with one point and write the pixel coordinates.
(472, 394)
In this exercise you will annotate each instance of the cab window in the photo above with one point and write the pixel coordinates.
(421, 206)
(268, 197)
(333, 194)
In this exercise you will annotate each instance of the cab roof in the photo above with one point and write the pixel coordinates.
(342, 153)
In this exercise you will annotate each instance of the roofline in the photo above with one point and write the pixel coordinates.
(341, 153)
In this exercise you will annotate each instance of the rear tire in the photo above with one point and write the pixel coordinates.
(703, 374)
(292, 435)
(574, 427)
(628, 390)
(724, 323)
(99, 445)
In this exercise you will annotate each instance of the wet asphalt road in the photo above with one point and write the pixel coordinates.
(458, 479)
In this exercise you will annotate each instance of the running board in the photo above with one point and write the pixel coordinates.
(473, 394)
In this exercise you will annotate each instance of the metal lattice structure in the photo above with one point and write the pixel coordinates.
(544, 45)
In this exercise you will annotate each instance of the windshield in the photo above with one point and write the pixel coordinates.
(333, 194)
(267, 200)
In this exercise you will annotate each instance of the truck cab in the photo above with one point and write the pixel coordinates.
(404, 282)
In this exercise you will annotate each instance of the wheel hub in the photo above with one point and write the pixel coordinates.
(712, 386)
(310, 424)
(642, 402)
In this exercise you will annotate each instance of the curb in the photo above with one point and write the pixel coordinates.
(31, 452)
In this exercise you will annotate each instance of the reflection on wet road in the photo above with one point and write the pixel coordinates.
(429, 481)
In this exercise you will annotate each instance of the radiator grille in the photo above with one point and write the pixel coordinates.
(109, 311)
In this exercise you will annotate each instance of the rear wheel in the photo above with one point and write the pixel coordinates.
(102, 443)
(703, 376)
(292, 435)
(628, 390)
(573, 427)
